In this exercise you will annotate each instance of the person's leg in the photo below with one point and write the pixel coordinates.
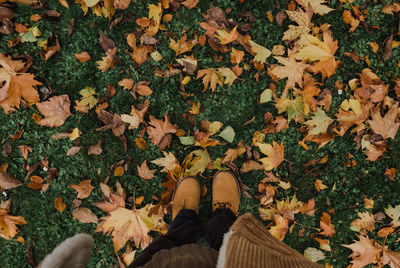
(219, 223)
(225, 207)
(185, 227)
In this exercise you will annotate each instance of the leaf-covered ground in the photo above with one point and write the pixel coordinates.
(327, 171)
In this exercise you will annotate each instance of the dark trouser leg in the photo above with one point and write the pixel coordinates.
(184, 229)
(219, 223)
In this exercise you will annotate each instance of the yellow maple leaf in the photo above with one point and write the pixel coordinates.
(125, 224)
(228, 75)
(319, 122)
(182, 45)
(260, 53)
(274, 153)
(322, 53)
(226, 37)
(87, 97)
(199, 163)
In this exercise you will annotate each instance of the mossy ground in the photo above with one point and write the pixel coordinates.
(232, 105)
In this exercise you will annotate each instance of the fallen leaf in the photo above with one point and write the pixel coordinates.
(183, 45)
(96, 149)
(319, 123)
(145, 172)
(135, 224)
(25, 150)
(73, 151)
(274, 153)
(84, 215)
(168, 162)
(56, 111)
(158, 129)
(16, 85)
(59, 204)
(190, 3)
(8, 182)
(326, 225)
(83, 189)
(322, 52)
(8, 224)
(385, 126)
(83, 56)
(364, 252)
(280, 228)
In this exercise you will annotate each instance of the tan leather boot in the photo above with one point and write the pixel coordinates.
(186, 196)
(225, 191)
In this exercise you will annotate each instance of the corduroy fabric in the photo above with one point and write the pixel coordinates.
(186, 256)
(251, 245)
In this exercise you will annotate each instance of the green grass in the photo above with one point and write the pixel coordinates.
(232, 105)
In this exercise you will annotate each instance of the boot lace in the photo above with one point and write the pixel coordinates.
(222, 205)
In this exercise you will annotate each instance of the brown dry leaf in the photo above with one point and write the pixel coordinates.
(126, 83)
(364, 252)
(391, 258)
(145, 172)
(8, 182)
(250, 165)
(232, 154)
(36, 183)
(158, 129)
(386, 126)
(111, 121)
(83, 56)
(322, 52)
(182, 46)
(56, 111)
(391, 9)
(190, 3)
(96, 149)
(326, 225)
(25, 150)
(274, 153)
(114, 202)
(135, 117)
(384, 232)
(59, 204)
(135, 225)
(210, 76)
(350, 20)
(119, 171)
(84, 215)
(83, 189)
(8, 224)
(143, 90)
(73, 151)
(14, 85)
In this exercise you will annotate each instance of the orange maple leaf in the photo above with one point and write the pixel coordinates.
(15, 85)
(182, 45)
(274, 153)
(8, 224)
